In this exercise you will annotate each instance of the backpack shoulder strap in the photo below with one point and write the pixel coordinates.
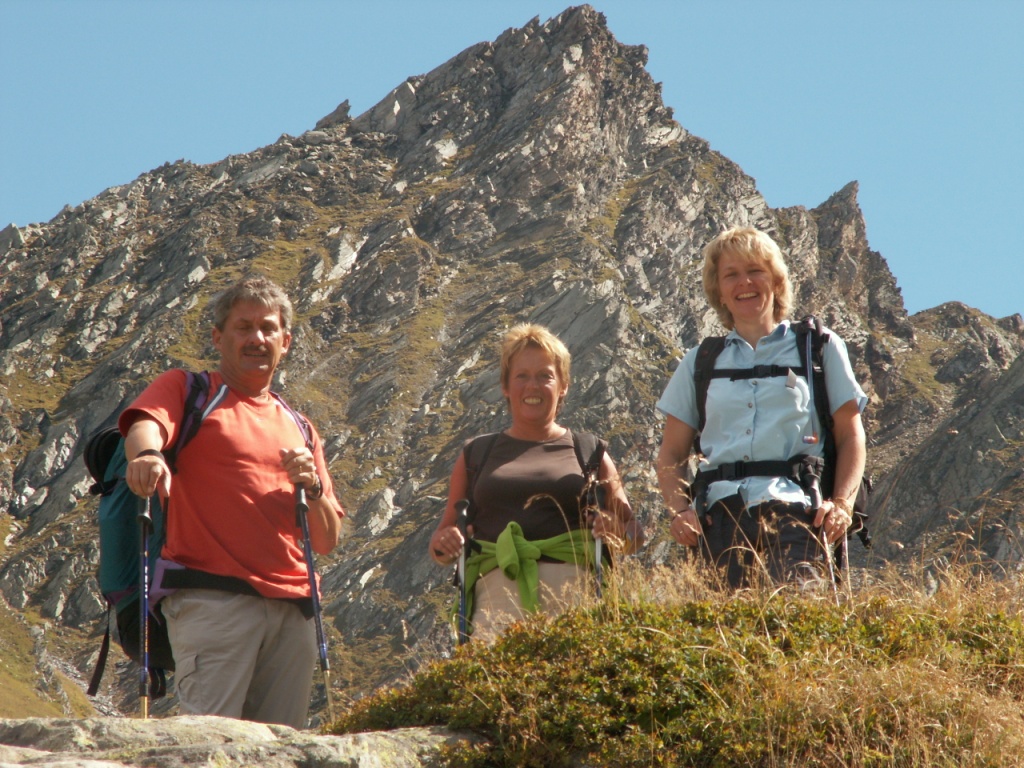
(102, 446)
(300, 421)
(590, 450)
(810, 342)
(100, 450)
(475, 455)
(703, 372)
(811, 339)
(199, 403)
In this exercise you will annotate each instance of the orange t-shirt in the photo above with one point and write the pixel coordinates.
(232, 508)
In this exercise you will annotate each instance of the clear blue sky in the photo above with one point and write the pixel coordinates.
(922, 101)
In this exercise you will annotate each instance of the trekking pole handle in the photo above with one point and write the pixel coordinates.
(462, 516)
(145, 513)
(301, 505)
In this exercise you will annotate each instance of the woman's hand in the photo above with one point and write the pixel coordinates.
(446, 544)
(625, 536)
(608, 527)
(833, 519)
(685, 527)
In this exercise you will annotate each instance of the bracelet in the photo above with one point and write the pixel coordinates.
(843, 504)
(148, 452)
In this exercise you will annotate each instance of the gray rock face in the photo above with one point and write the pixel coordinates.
(180, 742)
(536, 177)
(966, 476)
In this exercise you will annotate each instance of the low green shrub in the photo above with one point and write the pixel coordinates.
(765, 678)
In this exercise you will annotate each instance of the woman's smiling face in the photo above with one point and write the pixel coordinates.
(534, 388)
(747, 288)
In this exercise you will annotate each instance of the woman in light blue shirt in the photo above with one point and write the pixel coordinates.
(761, 421)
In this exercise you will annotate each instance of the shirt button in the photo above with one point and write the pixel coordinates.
(746, 458)
(748, 431)
(750, 405)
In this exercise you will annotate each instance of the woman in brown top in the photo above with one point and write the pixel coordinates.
(528, 486)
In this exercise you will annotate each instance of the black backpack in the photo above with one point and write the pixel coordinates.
(811, 338)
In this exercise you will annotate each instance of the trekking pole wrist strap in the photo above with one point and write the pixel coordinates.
(148, 452)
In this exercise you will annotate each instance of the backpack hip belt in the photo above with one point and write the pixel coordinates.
(802, 469)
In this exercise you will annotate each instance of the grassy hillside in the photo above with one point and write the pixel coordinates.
(906, 672)
(27, 693)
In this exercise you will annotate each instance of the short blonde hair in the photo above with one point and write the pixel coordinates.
(530, 334)
(751, 245)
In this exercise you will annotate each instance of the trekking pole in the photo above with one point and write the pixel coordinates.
(594, 506)
(145, 519)
(831, 564)
(814, 492)
(813, 438)
(302, 518)
(815, 489)
(846, 567)
(462, 521)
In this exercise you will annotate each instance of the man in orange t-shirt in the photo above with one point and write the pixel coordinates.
(240, 620)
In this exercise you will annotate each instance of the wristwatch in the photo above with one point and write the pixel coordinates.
(316, 491)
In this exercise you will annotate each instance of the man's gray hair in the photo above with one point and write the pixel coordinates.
(259, 290)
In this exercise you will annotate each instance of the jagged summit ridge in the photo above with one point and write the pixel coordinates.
(560, 108)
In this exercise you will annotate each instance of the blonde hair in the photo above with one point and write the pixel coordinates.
(530, 334)
(751, 245)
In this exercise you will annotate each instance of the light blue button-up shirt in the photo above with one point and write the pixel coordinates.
(760, 419)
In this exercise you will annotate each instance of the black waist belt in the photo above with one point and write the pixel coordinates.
(191, 578)
(802, 469)
(741, 469)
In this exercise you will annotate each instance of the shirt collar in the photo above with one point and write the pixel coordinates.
(779, 332)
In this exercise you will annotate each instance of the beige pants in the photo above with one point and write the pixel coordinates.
(241, 656)
(496, 597)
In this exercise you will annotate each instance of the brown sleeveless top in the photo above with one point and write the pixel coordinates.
(517, 471)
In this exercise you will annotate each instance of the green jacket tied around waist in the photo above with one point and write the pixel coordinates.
(517, 557)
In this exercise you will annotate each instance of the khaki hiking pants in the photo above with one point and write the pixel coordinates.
(241, 656)
(496, 602)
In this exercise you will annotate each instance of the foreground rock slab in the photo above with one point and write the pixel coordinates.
(208, 741)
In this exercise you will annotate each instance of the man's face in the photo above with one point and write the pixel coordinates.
(252, 343)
